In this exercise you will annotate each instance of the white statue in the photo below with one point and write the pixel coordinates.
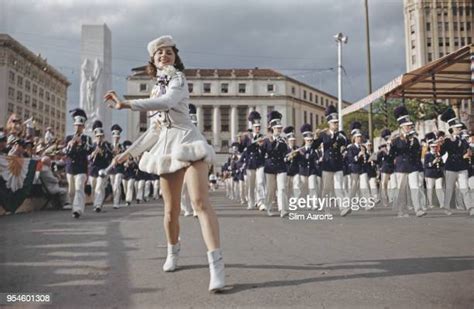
(89, 79)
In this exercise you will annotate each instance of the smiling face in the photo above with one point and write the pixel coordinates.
(456, 130)
(164, 56)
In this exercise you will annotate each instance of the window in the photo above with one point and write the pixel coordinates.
(34, 103)
(446, 26)
(304, 94)
(462, 42)
(19, 110)
(468, 11)
(446, 40)
(27, 99)
(327, 102)
(11, 77)
(311, 119)
(242, 88)
(207, 118)
(461, 26)
(316, 99)
(293, 90)
(35, 89)
(48, 97)
(27, 113)
(469, 40)
(412, 29)
(455, 9)
(190, 87)
(412, 44)
(317, 120)
(41, 93)
(143, 87)
(46, 108)
(19, 81)
(440, 26)
(270, 87)
(27, 85)
(428, 42)
(455, 26)
(225, 119)
(225, 146)
(456, 41)
(294, 116)
(311, 96)
(305, 120)
(11, 93)
(428, 26)
(207, 88)
(440, 42)
(41, 104)
(468, 26)
(10, 107)
(224, 88)
(430, 57)
(19, 97)
(461, 11)
(441, 55)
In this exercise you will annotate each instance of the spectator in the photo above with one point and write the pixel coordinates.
(3, 143)
(51, 182)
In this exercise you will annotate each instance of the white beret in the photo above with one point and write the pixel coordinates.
(162, 41)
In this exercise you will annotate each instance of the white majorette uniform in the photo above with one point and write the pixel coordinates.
(186, 206)
(178, 142)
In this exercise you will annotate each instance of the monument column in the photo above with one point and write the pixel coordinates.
(216, 127)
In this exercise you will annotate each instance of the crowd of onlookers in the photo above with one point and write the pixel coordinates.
(20, 138)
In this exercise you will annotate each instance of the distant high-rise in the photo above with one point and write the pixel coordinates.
(435, 28)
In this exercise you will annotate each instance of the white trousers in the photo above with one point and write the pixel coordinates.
(332, 186)
(185, 199)
(277, 185)
(76, 184)
(462, 184)
(388, 187)
(408, 186)
(156, 189)
(129, 186)
(294, 187)
(434, 183)
(98, 185)
(243, 192)
(374, 190)
(116, 180)
(256, 187)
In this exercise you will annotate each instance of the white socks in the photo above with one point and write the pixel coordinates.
(216, 269)
(172, 258)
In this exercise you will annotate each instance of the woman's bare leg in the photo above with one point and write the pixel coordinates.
(196, 180)
(171, 189)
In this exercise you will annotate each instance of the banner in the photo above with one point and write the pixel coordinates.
(16, 180)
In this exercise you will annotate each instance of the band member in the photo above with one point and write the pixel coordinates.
(78, 147)
(371, 168)
(226, 176)
(255, 164)
(239, 174)
(406, 150)
(99, 159)
(334, 143)
(358, 161)
(129, 175)
(471, 165)
(388, 182)
(116, 175)
(292, 163)
(275, 149)
(457, 163)
(434, 169)
(307, 158)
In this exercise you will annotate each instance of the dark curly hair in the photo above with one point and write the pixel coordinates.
(178, 64)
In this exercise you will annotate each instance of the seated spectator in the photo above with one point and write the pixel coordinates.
(51, 182)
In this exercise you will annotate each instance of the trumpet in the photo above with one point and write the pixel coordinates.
(292, 154)
(318, 132)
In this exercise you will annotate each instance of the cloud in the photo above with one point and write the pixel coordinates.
(273, 34)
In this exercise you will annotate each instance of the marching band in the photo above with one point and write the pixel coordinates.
(266, 171)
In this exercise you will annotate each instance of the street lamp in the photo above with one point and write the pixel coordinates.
(340, 38)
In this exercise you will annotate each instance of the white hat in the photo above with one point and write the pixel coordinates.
(162, 41)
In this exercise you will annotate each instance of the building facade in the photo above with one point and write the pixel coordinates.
(30, 87)
(435, 28)
(225, 97)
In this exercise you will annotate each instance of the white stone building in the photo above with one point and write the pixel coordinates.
(225, 97)
(30, 87)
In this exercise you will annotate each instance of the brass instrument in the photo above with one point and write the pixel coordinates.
(291, 155)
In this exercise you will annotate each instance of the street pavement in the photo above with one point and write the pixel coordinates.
(370, 259)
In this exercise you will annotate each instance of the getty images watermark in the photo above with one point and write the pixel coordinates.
(310, 208)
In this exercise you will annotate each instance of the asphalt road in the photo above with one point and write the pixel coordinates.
(370, 259)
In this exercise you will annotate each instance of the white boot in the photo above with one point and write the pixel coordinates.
(172, 258)
(216, 269)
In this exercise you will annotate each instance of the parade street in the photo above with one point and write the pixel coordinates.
(114, 259)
